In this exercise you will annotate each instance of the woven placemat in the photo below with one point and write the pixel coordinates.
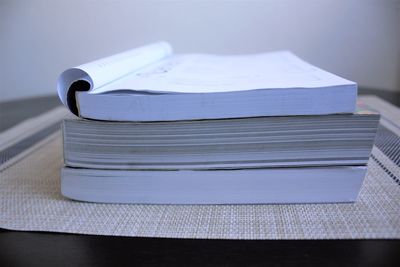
(30, 200)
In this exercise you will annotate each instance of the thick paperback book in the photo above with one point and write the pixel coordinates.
(261, 142)
(248, 186)
(151, 83)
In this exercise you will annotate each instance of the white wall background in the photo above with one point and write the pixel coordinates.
(357, 39)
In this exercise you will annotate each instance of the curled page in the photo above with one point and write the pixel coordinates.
(98, 73)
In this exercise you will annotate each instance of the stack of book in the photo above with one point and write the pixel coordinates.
(202, 129)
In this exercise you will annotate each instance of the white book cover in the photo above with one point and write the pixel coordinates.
(252, 186)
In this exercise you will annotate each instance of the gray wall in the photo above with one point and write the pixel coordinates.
(358, 39)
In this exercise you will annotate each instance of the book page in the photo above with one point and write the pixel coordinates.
(197, 73)
(100, 72)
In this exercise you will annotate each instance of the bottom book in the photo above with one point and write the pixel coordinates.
(244, 186)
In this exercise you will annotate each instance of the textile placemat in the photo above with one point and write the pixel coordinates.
(30, 197)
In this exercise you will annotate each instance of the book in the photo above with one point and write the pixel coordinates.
(150, 83)
(159, 128)
(248, 186)
(257, 160)
(260, 142)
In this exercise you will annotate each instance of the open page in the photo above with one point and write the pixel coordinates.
(98, 73)
(197, 73)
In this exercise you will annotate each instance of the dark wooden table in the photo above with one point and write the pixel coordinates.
(55, 249)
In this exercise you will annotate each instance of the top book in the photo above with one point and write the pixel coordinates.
(151, 84)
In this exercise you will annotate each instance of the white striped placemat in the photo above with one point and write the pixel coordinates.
(30, 198)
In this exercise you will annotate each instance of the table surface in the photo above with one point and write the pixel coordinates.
(56, 249)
